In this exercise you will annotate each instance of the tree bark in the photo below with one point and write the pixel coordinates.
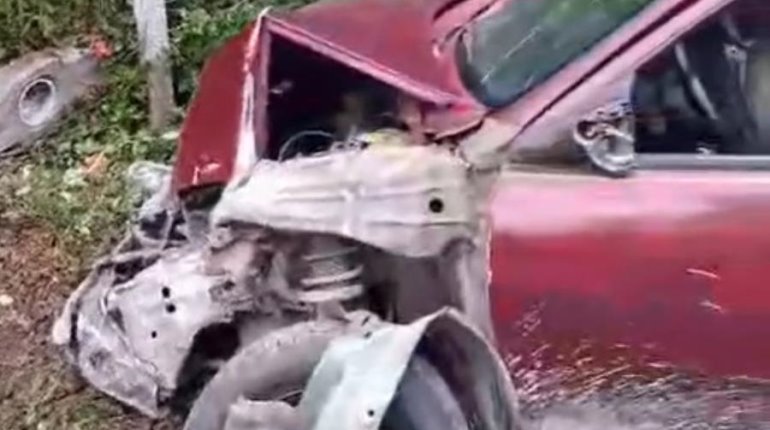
(152, 27)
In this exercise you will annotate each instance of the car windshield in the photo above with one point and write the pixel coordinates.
(514, 48)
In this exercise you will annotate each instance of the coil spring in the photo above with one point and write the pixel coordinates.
(332, 270)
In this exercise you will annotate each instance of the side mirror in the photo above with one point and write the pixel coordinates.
(607, 138)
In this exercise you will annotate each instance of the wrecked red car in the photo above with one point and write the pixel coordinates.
(455, 214)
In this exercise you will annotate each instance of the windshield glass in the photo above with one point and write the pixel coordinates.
(516, 47)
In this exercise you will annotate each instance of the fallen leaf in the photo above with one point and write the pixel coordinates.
(95, 166)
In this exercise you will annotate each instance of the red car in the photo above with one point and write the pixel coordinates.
(588, 181)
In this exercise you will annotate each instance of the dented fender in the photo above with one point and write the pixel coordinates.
(358, 376)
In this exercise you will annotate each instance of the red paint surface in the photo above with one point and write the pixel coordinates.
(391, 39)
(669, 268)
(209, 138)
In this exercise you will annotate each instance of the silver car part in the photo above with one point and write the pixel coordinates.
(275, 367)
(408, 200)
(37, 90)
(250, 415)
(358, 376)
(131, 325)
(90, 342)
(375, 374)
(332, 270)
(607, 137)
(158, 221)
(287, 238)
(131, 339)
(423, 401)
(166, 305)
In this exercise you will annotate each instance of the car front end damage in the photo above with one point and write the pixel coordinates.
(342, 206)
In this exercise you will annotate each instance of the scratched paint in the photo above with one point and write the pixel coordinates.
(672, 265)
(585, 392)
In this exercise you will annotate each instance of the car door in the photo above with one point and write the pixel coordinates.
(666, 267)
(660, 272)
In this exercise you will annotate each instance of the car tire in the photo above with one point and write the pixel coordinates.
(270, 368)
(280, 364)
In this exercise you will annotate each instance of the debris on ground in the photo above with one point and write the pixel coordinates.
(95, 166)
(38, 90)
(5, 300)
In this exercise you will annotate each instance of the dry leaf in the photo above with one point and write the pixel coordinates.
(95, 166)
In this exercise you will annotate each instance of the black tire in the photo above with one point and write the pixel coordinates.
(281, 363)
(424, 401)
(270, 368)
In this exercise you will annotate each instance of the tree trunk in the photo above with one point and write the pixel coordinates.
(152, 27)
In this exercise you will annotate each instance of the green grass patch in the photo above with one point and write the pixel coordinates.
(47, 185)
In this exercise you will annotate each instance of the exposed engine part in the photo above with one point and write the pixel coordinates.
(37, 90)
(300, 240)
(290, 147)
(293, 272)
(343, 102)
(356, 139)
(607, 138)
(132, 325)
(409, 200)
(332, 270)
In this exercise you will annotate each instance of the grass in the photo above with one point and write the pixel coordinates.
(48, 185)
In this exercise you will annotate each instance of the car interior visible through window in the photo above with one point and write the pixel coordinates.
(710, 92)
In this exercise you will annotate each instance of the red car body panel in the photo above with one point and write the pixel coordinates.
(209, 138)
(399, 48)
(659, 270)
(662, 269)
(414, 61)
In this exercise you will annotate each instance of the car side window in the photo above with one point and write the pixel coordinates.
(709, 94)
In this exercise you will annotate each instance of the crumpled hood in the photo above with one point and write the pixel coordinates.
(394, 40)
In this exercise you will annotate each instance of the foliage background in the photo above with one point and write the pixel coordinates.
(44, 185)
(54, 220)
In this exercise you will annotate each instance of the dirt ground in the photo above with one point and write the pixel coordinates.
(37, 390)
